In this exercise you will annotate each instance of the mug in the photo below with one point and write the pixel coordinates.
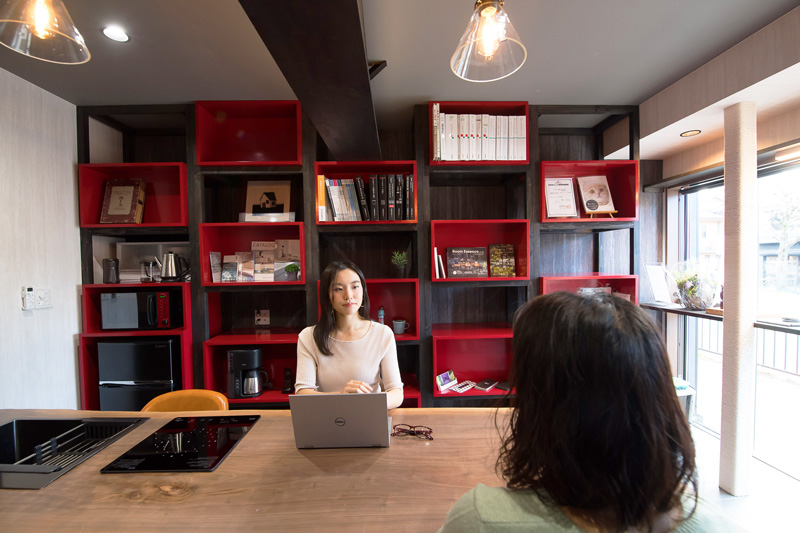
(400, 326)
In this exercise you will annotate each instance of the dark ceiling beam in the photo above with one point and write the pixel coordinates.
(319, 47)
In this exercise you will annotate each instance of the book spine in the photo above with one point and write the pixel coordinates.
(492, 150)
(452, 137)
(373, 197)
(485, 138)
(441, 267)
(390, 197)
(463, 138)
(522, 133)
(382, 197)
(362, 198)
(411, 197)
(437, 146)
(399, 203)
(332, 200)
(472, 124)
(322, 208)
(340, 196)
(436, 261)
(352, 198)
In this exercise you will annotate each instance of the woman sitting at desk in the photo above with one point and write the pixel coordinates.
(597, 439)
(346, 352)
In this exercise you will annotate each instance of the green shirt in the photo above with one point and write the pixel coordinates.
(485, 509)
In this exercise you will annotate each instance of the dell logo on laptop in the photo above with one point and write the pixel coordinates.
(339, 421)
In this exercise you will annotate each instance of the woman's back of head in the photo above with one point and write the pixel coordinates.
(597, 427)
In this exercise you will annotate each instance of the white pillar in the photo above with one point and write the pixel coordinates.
(739, 336)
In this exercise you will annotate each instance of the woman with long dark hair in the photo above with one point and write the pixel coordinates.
(597, 439)
(346, 352)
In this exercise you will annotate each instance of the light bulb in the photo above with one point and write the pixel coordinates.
(491, 32)
(39, 19)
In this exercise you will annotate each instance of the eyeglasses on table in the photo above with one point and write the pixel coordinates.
(421, 432)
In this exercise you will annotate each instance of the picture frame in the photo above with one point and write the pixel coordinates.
(595, 194)
(123, 201)
(559, 198)
(268, 197)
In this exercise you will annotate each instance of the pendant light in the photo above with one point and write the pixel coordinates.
(490, 48)
(42, 29)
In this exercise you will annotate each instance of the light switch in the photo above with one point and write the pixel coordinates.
(43, 298)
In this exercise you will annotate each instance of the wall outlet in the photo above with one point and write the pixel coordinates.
(43, 298)
(262, 317)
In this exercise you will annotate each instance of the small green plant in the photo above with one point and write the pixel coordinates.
(291, 267)
(399, 259)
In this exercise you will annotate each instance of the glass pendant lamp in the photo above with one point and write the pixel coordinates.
(490, 48)
(42, 29)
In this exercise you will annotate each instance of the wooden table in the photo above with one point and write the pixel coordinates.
(266, 483)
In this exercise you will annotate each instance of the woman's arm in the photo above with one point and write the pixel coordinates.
(394, 398)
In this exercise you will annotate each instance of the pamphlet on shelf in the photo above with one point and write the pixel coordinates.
(216, 266)
(230, 268)
(595, 194)
(559, 198)
(446, 380)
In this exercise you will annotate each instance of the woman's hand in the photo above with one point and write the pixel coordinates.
(355, 387)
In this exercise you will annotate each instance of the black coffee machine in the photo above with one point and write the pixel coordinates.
(244, 366)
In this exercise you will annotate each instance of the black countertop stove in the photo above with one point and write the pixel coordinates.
(186, 444)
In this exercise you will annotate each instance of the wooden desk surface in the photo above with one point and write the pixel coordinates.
(266, 483)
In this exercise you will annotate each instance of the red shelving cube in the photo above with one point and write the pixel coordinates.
(165, 201)
(623, 184)
(399, 299)
(473, 352)
(481, 233)
(278, 349)
(479, 108)
(229, 238)
(254, 133)
(625, 284)
(339, 170)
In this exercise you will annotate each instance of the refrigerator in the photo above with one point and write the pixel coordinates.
(131, 373)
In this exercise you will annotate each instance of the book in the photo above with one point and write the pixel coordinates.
(441, 267)
(467, 262)
(280, 270)
(436, 261)
(324, 213)
(216, 266)
(373, 197)
(410, 197)
(559, 198)
(399, 204)
(349, 206)
(595, 194)
(362, 199)
(333, 200)
(287, 249)
(472, 143)
(484, 132)
(123, 201)
(463, 138)
(246, 268)
(451, 137)
(446, 380)
(522, 138)
(382, 198)
(491, 151)
(390, 192)
(264, 253)
(437, 144)
(502, 263)
(230, 268)
(502, 138)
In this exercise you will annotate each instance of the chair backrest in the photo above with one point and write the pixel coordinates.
(188, 400)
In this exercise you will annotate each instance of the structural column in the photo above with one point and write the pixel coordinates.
(739, 336)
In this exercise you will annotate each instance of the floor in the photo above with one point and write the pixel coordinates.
(774, 496)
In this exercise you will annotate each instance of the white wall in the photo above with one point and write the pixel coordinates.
(40, 243)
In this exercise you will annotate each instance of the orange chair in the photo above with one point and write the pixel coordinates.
(188, 400)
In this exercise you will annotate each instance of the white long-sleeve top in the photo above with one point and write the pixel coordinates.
(372, 359)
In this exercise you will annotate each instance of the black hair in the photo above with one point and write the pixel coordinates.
(327, 318)
(596, 426)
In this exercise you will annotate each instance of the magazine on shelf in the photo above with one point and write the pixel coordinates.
(502, 261)
(467, 262)
(595, 194)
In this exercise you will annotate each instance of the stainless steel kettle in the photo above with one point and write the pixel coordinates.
(173, 267)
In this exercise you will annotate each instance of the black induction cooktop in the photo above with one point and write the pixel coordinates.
(186, 444)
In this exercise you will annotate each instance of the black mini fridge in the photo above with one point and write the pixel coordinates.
(131, 373)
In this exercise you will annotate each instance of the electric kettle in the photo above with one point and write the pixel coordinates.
(253, 382)
(173, 267)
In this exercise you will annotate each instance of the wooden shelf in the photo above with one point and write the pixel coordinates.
(165, 202)
(623, 184)
(623, 283)
(481, 233)
(249, 133)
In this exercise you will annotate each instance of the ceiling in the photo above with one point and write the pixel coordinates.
(615, 52)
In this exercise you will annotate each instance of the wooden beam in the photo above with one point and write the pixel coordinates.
(319, 47)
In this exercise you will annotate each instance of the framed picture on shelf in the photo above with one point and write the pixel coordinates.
(595, 194)
(123, 202)
(559, 198)
(268, 197)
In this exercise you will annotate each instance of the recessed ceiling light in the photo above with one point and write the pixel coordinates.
(116, 33)
(690, 133)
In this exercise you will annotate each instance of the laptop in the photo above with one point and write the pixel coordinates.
(340, 420)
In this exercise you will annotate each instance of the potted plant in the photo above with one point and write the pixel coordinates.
(399, 261)
(292, 271)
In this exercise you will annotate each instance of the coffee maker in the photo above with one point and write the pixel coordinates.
(245, 374)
